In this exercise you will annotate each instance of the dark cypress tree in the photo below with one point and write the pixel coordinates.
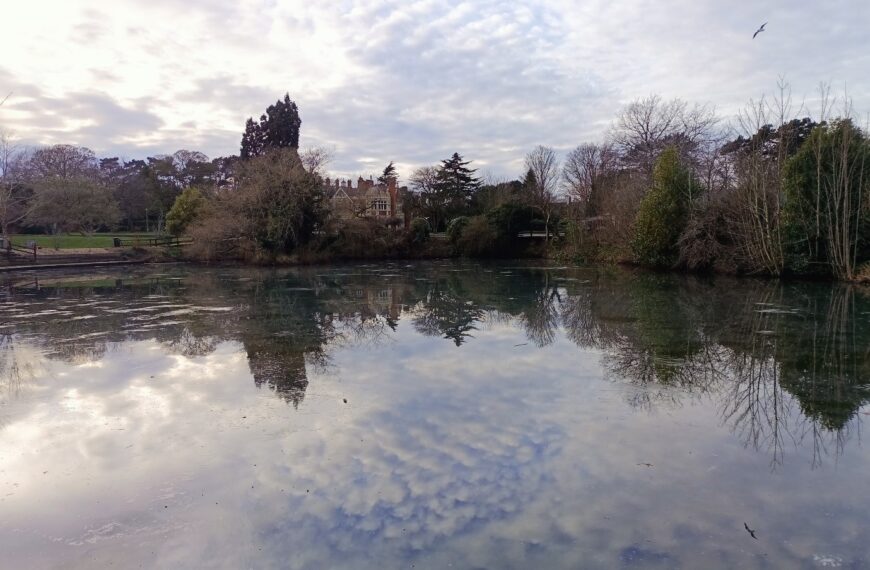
(282, 124)
(253, 142)
(277, 128)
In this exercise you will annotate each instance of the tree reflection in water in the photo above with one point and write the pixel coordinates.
(784, 363)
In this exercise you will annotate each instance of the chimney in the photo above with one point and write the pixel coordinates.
(394, 196)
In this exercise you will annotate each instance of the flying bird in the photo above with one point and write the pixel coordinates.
(750, 531)
(759, 30)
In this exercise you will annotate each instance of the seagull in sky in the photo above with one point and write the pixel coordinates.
(759, 30)
(750, 531)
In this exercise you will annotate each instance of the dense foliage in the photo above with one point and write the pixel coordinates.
(419, 231)
(275, 208)
(187, 208)
(278, 127)
(786, 196)
(826, 184)
(663, 212)
(445, 191)
(667, 188)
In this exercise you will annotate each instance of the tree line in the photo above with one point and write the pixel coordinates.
(671, 186)
(776, 193)
(64, 188)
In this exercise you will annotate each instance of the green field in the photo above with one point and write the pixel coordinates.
(76, 241)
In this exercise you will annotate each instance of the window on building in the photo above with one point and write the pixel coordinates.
(380, 205)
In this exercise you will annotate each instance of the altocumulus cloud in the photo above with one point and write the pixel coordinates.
(410, 81)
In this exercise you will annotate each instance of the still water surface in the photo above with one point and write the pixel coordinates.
(431, 415)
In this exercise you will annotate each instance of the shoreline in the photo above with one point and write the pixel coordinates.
(160, 258)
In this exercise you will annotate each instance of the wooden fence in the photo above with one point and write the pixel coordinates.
(13, 254)
(19, 252)
(168, 241)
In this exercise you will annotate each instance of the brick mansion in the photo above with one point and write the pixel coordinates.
(367, 199)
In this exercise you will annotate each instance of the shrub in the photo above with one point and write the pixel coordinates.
(419, 231)
(511, 218)
(479, 238)
(359, 238)
(186, 208)
(218, 234)
(455, 228)
(704, 243)
(277, 207)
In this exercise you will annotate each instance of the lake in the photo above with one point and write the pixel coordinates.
(431, 415)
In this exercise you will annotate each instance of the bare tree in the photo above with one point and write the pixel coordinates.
(62, 161)
(542, 163)
(423, 179)
(15, 199)
(424, 197)
(646, 126)
(755, 208)
(74, 204)
(315, 159)
(68, 192)
(584, 168)
(842, 179)
(183, 159)
(8, 152)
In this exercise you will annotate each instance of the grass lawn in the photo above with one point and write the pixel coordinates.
(75, 241)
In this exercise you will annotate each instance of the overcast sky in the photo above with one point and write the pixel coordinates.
(404, 80)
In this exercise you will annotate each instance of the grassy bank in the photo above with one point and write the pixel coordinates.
(75, 241)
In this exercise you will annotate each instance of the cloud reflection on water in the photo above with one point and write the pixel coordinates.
(164, 447)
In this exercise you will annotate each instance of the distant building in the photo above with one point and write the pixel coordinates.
(367, 199)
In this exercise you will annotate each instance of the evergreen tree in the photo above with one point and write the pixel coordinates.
(530, 183)
(455, 180)
(184, 211)
(664, 211)
(277, 128)
(825, 216)
(253, 141)
(388, 174)
(450, 191)
(771, 142)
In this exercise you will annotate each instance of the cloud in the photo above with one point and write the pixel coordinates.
(85, 118)
(411, 81)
